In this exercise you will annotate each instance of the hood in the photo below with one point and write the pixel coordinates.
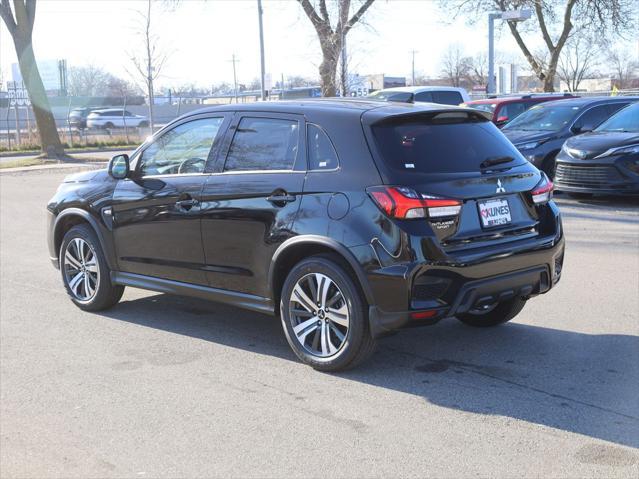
(85, 176)
(594, 143)
(526, 136)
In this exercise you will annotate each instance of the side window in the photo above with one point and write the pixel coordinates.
(614, 108)
(184, 149)
(591, 119)
(512, 110)
(127, 113)
(424, 96)
(263, 144)
(321, 154)
(447, 97)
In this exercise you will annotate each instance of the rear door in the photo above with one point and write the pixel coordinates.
(251, 199)
(449, 155)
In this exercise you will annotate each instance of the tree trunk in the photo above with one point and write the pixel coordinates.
(328, 72)
(49, 139)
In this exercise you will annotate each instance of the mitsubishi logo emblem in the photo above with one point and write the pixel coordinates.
(500, 188)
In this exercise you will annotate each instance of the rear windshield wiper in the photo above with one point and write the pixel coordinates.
(497, 160)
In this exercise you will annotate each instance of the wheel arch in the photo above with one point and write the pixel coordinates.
(293, 250)
(71, 217)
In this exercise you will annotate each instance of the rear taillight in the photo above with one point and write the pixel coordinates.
(405, 203)
(542, 193)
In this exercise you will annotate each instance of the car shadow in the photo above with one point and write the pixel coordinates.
(576, 382)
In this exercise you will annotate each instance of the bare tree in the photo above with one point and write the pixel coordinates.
(579, 60)
(331, 37)
(624, 68)
(148, 66)
(554, 23)
(91, 80)
(19, 22)
(455, 66)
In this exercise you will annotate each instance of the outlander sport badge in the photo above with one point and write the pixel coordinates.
(500, 188)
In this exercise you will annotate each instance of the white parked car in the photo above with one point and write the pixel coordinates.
(115, 118)
(445, 95)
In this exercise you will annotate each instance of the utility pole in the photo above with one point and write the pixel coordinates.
(413, 76)
(233, 60)
(262, 68)
(344, 66)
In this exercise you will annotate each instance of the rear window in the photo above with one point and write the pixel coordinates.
(447, 97)
(442, 143)
(488, 107)
(390, 95)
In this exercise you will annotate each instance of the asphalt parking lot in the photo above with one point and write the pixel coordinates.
(163, 386)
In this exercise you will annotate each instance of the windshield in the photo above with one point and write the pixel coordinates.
(390, 95)
(627, 120)
(446, 143)
(547, 117)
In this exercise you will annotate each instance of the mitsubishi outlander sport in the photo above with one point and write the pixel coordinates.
(348, 219)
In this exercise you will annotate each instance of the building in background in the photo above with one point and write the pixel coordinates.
(53, 73)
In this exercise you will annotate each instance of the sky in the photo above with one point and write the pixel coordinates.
(200, 38)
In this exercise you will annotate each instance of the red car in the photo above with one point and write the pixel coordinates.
(506, 108)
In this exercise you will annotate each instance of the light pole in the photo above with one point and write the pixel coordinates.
(413, 67)
(510, 16)
(262, 68)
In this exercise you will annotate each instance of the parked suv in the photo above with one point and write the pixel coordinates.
(540, 132)
(78, 117)
(350, 219)
(115, 118)
(444, 95)
(508, 108)
(605, 160)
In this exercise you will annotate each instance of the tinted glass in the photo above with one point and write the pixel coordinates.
(592, 118)
(513, 110)
(447, 97)
(321, 154)
(389, 95)
(184, 149)
(489, 107)
(263, 144)
(626, 120)
(424, 96)
(449, 145)
(127, 113)
(546, 117)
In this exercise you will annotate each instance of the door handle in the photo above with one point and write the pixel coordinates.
(281, 198)
(186, 204)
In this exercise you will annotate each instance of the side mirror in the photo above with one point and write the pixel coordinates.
(502, 120)
(119, 167)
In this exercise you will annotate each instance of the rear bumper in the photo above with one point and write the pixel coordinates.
(449, 289)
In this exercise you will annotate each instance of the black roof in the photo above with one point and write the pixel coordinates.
(345, 106)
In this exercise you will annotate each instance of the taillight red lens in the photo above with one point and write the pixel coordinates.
(542, 193)
(405, 203)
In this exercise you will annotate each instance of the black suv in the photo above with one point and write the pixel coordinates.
(540, 132)
(348, 218)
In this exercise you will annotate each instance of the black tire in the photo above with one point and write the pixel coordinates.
(105, 294)
(502, 313)
(143, 124)
(581, 196)
(108, 126)
(357, 344)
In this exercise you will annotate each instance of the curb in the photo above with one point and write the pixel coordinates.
(88, 150)
(66, 167)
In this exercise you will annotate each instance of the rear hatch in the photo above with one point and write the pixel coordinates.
(457, 155)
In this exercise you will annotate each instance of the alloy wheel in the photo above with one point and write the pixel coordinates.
(319, 315)
(81, 269)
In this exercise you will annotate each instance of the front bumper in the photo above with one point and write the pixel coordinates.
(609, 176)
